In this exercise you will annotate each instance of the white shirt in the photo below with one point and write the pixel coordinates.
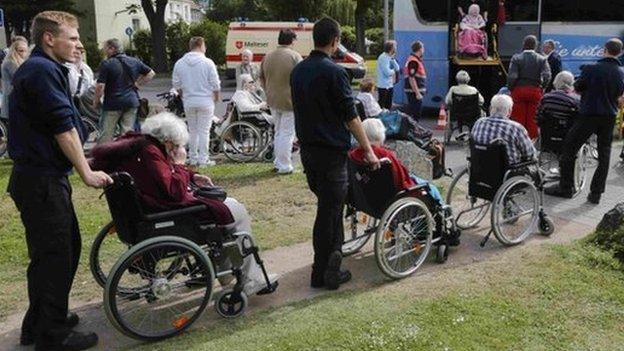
(74, 76)
(371, 106)
(196, 76)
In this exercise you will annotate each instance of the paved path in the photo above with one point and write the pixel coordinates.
(573, 219)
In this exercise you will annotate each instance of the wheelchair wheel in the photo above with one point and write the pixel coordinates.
(242, 141)
(404, 237)
(105, 251)
(469, 209)
(167, 283)
(442, 253)
(4, 133)
(593, 146)
(231, 304)
(546, 226)
(515, 210)
(580, 168)
(358, 228)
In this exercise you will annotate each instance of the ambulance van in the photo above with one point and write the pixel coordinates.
(261, 37)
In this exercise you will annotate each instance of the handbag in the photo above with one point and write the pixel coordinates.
(212, 192)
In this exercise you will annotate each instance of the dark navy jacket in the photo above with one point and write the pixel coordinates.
(600, 85)
(41, 107)
(322, 102)
(119, 91)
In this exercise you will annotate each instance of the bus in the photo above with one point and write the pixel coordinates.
(579, 29)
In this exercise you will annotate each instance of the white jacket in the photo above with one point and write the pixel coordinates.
(196, 76)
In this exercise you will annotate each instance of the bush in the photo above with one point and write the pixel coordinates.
(348, 37)
(214, 34)
(609, 234)
(94, 54)
(177, 40)
(377, 36)
(142, 41)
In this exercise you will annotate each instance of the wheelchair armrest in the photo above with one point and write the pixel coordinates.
(175, 213)
(523, 164)
(408, 190)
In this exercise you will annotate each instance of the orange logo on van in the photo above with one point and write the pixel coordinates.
(239, 44)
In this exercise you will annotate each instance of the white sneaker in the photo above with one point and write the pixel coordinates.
(208, 163)
(285, 171)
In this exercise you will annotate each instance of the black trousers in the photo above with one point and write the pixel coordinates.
(582, 129)
(414, 106)
(326, 172)
(385, 97)
(53, 240)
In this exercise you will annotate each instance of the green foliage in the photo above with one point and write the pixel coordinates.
(289, 10)
(342, 11)
(214, 34)
(224, 11)
(142, 41)
(375, 35)
(177, 40)
(94, 54)
(348, 37)
(19, 13)
(610, 240)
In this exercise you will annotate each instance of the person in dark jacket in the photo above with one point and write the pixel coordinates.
(554, 60)
(325, 113)
(602, 87)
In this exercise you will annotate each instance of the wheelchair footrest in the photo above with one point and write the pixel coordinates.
(269, 289)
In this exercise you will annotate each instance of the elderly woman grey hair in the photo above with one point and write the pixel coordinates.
(562, 102)
(375, 131)
(564, 81)
(247, 66)
(462, 88)
(501, 106)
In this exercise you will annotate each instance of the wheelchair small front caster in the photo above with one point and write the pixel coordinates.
(231, 304)
(546, 226)
(442, 253)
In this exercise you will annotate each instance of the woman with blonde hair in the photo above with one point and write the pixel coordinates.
(18, 53)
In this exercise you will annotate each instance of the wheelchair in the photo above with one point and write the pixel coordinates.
(463, 113)
(513, 194)
(164, 278)
(248, 136)
(553, 131)
(406, 224)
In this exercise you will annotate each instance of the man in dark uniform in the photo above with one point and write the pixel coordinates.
(44, 143)
(602, 88)
(554, 61)
(324, 115)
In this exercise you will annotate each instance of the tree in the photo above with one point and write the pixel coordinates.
(361, 12)
(342, 11)
(155, 13)
(19, 13)
(289, 10)
(224, 11)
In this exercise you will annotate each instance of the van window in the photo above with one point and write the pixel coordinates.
(432, 11)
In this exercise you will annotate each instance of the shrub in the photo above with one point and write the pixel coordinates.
(375, 35)
(142, 41)
(214, 34)
(348, 37)
(177, 40)
(610, 240)
(94, 54)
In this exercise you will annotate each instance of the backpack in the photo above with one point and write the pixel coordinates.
(436, 152)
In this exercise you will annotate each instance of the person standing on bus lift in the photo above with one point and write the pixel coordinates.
(415, 80)
(529, 74)
(554, 61)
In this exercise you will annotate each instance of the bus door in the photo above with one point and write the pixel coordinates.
(524, 17)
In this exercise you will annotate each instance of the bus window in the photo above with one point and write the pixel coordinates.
(522, 11)
(582, 10)
(432, 11)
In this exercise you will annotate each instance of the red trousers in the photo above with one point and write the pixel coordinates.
(526, 99)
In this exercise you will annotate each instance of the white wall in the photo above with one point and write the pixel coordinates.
(110, 25)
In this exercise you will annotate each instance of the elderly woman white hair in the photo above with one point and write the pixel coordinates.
(501, 106)
(564, 81)
(247, 100)
(562, 102)
(155, 160)
(247, 66)
(462, 88)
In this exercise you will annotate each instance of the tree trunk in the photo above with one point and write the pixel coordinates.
(360, 26)
(156, 18)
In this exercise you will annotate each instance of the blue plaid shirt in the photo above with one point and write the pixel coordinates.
(518, 144)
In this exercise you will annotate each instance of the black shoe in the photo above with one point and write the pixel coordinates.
(28, 337)
(594, 198)
(333, 275)
(555, 190)
(74, 341)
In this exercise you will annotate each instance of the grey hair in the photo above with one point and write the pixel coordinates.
(245, 78)
(501, 105)
(114, 43)
(166, 126)
(564, 81)
(462, 77)
(246, 52)
(375, 130)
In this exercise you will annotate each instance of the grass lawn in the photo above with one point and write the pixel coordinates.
(554, 298)
(282, 210)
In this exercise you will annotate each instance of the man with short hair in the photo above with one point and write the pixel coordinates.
(325, 113)
(119, 79)
(602, 89)
(196, 79)
(529, 74)
(554, 60)
(44, 143)
(498, 126)
(387, 73)
(275, 79)
(415, 80)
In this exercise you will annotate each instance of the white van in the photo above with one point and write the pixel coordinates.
(261, 37)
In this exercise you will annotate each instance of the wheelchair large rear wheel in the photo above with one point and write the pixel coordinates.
(580, 168)
(242, 141)
(515, 210)
(167, 283)
(469, 210)
(358, 228)
(4, 140)
(107, 248)
(404, 237)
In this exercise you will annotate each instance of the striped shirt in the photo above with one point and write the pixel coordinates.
(518, 144)
(557, 104)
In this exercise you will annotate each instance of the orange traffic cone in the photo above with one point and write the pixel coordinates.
(442, 118)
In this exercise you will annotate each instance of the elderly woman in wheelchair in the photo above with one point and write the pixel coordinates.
(503, 177)
(179, 233)
(406, 214)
